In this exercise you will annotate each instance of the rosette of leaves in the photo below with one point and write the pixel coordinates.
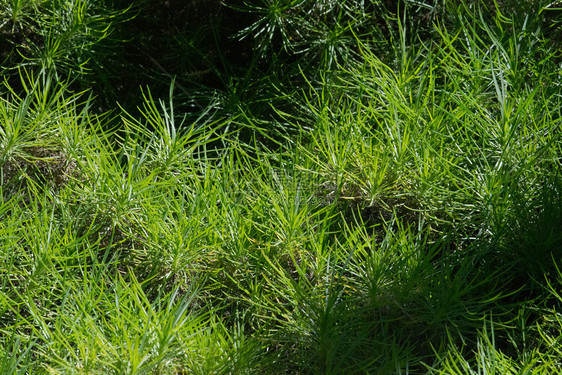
(69, 39)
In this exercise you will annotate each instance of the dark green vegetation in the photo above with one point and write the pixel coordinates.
(280, 186)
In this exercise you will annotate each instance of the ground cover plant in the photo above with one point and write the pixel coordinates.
(280, 186)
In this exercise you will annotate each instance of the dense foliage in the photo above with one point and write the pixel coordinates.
(280, 186)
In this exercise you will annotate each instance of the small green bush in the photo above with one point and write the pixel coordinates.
(329, 187)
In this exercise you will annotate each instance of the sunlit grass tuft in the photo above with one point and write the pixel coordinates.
(401, 216)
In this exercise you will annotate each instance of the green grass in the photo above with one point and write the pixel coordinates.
(352, 201)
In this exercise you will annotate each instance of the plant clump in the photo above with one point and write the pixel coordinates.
(280, 186)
